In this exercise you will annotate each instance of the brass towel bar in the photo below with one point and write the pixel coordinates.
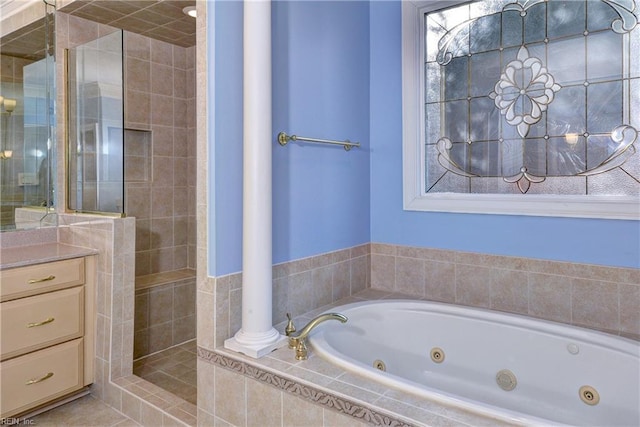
(283, 138)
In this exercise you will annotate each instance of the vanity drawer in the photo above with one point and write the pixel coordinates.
(38, 377)
(32, 323)
(34, 279)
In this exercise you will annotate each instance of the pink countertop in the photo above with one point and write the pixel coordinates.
(37, 254)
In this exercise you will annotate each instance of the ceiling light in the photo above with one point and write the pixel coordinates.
(190, 10)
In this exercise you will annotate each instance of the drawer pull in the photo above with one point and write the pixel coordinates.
(46, 377)
(45, 279)
(44, 322)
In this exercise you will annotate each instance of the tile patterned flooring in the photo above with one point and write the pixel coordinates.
(173, 369)
(84, 412)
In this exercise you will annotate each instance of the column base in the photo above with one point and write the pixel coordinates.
(254, 345)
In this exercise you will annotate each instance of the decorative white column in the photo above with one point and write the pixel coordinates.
(257, 337)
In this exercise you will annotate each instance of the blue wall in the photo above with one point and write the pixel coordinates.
(320, 89)
(337, 75)
(605, 242)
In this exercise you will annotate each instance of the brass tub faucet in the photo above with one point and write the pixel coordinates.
(298, 341)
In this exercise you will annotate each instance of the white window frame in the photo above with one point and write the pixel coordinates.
(413, 149)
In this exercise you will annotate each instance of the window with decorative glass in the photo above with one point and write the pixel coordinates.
(525, 104)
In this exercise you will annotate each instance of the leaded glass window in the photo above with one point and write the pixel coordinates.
(533, 97)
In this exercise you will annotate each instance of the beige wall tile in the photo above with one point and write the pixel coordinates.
(161, 232)
(439, 281)
(235, 311)
(230, 397)
(137, 46)
(322, 279)
(113, 396)
(161, 79)
(143, 235)
(383, 269)
(335, 419)
(360, 273)
(180, 254)
(161, 52)
(137, 107)
(162, 202)
(143, 262)
(595, 304)
(384, 249)
(160, 304)
(300, 413)
(184, 329)
(206, 386)
(180, 175)
(137, 75)
(131, 406)
(361, 250)
(473, 285)
(180, 224)
(300, 293)
(410, 276)
(341, 280)
(162, 111)
(163, 174)
(163, 137)
(630, 309)
(264, 404)
(207, 329)
(510, 291)
(280, 299)
(550, 297)
(205, 419)
(149, 415)
(81, 31)
(160, 336)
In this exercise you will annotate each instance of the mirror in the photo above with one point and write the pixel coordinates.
(27, 119)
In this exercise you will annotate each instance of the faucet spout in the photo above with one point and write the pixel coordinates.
(298, 341)
(304, 332)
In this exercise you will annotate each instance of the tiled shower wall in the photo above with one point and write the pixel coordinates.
(159, 142)
(160, 152)
(164, 316)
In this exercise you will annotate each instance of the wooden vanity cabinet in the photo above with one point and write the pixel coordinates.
(47, 332)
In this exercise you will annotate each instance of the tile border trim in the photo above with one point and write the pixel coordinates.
(312, 394)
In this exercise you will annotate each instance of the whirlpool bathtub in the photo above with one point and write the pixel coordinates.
(515, 368)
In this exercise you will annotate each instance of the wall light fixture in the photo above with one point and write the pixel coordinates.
(190, 10)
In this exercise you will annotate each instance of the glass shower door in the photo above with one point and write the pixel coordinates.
(96, 122)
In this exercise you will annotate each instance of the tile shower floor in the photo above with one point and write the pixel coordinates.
(173, 369)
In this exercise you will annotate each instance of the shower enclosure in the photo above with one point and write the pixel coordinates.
(131, 152)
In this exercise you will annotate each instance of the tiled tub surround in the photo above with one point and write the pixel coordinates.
(597, 297)
(164, 311)
(591, 296)
(298, 287)
(278, 390)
